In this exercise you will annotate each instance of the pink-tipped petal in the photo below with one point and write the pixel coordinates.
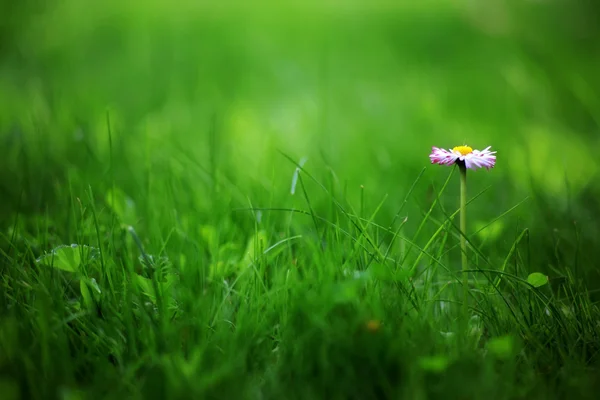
(481, 159)
(442, 157)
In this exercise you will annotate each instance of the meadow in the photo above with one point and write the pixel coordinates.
(235, 200)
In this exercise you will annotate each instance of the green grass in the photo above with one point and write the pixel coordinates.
(255, 215)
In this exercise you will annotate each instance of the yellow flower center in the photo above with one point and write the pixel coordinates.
(463, 150)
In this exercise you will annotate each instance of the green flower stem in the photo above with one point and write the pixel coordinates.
(463, 230)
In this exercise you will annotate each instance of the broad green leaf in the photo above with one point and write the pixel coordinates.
(69, 258)
(436, 364)
(537, 279)
(502, 346)
(122, 205)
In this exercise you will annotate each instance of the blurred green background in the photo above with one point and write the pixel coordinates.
(199, 90)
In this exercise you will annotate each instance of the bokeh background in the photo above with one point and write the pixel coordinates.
(195, 90)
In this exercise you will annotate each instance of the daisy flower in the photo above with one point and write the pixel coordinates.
(466, 158)
(471, 159)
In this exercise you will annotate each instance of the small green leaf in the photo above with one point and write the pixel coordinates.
(226, 262)
(155, 262)
(502, 346)
(537, 279)
(95, 288)
(86, 295)
(567, 311)
(90, 292)
(146, 286)
(221, 270)
(229, 252)
(69, 258)
(435, 364)
(489, 232)
(182, 261)
(256, 246)
(476, 327)
(208, 233)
